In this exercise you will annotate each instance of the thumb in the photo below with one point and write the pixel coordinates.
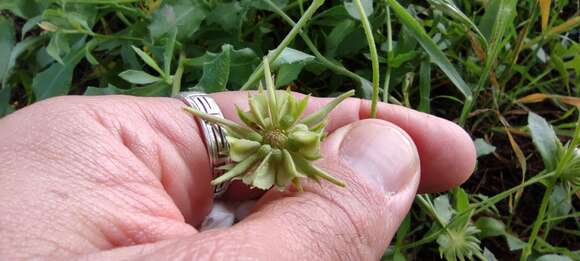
(380, 165)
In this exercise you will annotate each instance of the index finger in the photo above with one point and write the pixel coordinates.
(446, 151)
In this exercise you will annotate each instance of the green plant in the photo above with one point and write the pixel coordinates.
(276, 146)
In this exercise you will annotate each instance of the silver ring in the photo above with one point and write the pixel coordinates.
(215, 136)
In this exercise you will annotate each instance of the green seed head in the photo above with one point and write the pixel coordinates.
(276, 146)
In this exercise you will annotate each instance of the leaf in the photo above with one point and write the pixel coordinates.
(545, 139)
(338, 35)
(5, 107)
(58, 46)
(216, 72)
(461, 200)
(489, 256)
(443, 208)
(545, 12)
(259, 4)
(153, 90)
(56, 79)
(483, 148)
(185, 15)
(448, 7)
(24, 8)
(554, 257)
(138, 77)
(18, 50)
(560, 202)
(229, 16)
(7, 41)
(514, 243)
(352, 10)
(292, 56)
(437, 56)
(288, 73)
(148, 60)
(490, 227)
(540, 97)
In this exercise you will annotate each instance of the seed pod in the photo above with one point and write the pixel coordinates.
(275, 147)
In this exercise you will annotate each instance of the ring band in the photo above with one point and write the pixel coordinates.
(215, 136)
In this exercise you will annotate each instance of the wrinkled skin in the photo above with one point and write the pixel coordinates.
(128, 178)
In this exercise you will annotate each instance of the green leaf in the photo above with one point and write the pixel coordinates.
(514, 243)
(336, 37)
(490, 227)
(437, 56)
(483, 148)
(443, 208)
(545, 139)
(185, 15)
(138, 77)
(148, 60)
(554, 257)
(153, 90)
(7, 41)
(56, 79)
(24, 8)
(18, 50)
(288, 73)
(448, 7)
(216, 72)
(5, 107)
(259, 4)
(292, 56)
(58, 46)
(229, 16)
(353, 12)
(461, 199)
(560, 202)
(488, 20)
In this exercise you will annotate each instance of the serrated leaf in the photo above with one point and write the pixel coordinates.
(545, 139)
(216, 72)
(483, 148)
(185, 15)
(350, 7)
(229, 16)
(288, 73)
(138, 77)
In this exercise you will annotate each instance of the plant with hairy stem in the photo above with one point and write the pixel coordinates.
(276, 147)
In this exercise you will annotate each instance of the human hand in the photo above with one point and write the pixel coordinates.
(128, 178)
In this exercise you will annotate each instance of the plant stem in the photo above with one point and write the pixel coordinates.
(374, 56)
(386, 84)
(259, 72)
(329, 64)
(177, 77)
(539, 221)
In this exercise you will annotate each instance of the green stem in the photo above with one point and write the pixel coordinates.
(538, 222)
(337, 68)
(374, 56)
(259, 72)
(386, 84)
(178, 75)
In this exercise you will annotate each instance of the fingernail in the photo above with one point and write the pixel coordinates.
(382, 153)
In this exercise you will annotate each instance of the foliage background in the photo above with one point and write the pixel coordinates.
(485, 64)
